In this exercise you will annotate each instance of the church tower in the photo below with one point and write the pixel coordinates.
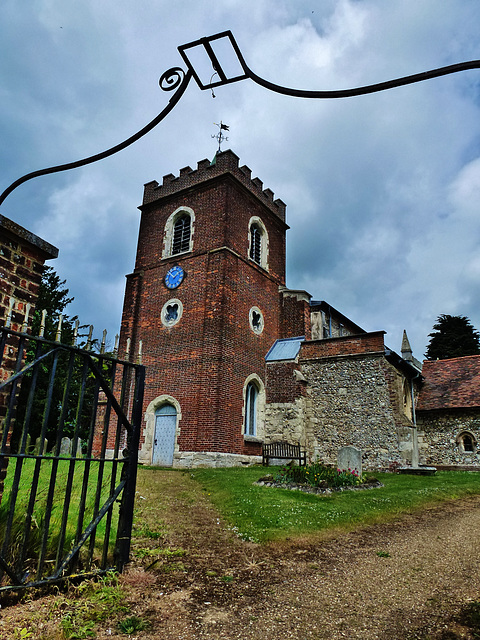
(206, 299)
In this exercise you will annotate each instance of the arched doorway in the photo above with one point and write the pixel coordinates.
(164, 437)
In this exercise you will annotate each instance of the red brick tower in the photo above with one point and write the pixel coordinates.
(205, 300)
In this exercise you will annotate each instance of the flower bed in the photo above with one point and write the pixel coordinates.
(317, 478)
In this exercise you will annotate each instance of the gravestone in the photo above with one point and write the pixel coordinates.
(350, 458)
(65, 447)
(38, 447)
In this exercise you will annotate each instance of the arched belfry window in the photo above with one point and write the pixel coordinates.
(258, 242)
(251, 402)
(179, 230)
(181, 234)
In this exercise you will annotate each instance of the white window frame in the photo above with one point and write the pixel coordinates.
(169, 228)
(259, 408)
(255, 220)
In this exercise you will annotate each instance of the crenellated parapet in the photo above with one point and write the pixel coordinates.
(225, 162)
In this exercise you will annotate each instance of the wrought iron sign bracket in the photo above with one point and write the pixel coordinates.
(211, 49)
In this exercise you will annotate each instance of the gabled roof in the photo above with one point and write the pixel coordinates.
(450, 384)
(321, 305)
(284, 349)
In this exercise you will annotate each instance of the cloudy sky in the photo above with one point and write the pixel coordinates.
(382, 191)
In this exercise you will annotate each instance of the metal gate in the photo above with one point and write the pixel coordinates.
(70, 423)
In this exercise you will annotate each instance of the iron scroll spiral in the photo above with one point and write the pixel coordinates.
(176, 79)
(171, 79)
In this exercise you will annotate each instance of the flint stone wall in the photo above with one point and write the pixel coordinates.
(440, 431)
(285, 421)
(351, 404)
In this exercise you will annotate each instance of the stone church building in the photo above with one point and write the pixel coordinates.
(233, 357)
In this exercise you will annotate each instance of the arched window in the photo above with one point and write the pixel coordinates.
(466, 442)
(251, 398)
(181, 234)
(256, 243)
(179, 230)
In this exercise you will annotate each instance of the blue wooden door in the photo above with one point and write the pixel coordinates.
(164, 441)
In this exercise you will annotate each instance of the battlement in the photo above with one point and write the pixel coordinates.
(225, 162)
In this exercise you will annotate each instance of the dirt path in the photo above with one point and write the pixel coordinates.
(401, 580)
(405, 580)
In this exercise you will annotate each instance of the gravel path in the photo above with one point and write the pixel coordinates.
(402, 580)
(405, 580)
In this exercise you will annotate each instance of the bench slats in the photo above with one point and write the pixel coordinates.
(284, 451)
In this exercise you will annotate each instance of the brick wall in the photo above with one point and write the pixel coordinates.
(295, 306)
(282, 382)
(366, 343)
(204, 360)
(22, 257)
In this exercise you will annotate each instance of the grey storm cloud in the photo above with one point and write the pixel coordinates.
(382, 191)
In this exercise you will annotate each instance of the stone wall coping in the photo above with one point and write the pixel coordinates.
(27, 236)
(347, 356)
(369, 334)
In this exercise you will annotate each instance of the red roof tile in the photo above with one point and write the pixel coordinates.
(450, 384)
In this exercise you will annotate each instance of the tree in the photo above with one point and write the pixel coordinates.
(53, 298)
(452, 337)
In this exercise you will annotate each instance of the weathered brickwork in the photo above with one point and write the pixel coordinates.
(203, 361)
(295, 307)
(284, 382)
(367, 343)
(226, 162)
(22, 258)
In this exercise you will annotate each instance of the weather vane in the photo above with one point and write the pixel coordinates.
(219, 136)
(177, 79)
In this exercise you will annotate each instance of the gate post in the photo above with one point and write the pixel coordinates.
(129, 474)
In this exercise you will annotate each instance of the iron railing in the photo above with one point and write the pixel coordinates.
(69, 445)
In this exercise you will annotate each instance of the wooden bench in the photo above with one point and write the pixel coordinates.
(283, 451)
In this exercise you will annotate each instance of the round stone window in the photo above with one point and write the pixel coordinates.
(256, 320)
(172, 311)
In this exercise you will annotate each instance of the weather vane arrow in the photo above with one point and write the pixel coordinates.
(219, 136)
(177, 79)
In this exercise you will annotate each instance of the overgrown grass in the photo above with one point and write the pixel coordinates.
(39, 512)
(262, 514)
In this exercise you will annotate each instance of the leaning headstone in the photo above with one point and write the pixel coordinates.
(350, 458)
(39, 450)
(79, 447)
(65, 447)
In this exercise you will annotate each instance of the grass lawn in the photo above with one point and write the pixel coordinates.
(57, 507)
(262, 514)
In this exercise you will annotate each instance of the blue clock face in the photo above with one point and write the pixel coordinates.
(174, 277)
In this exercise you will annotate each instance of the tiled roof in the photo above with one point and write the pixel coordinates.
(450, 384)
